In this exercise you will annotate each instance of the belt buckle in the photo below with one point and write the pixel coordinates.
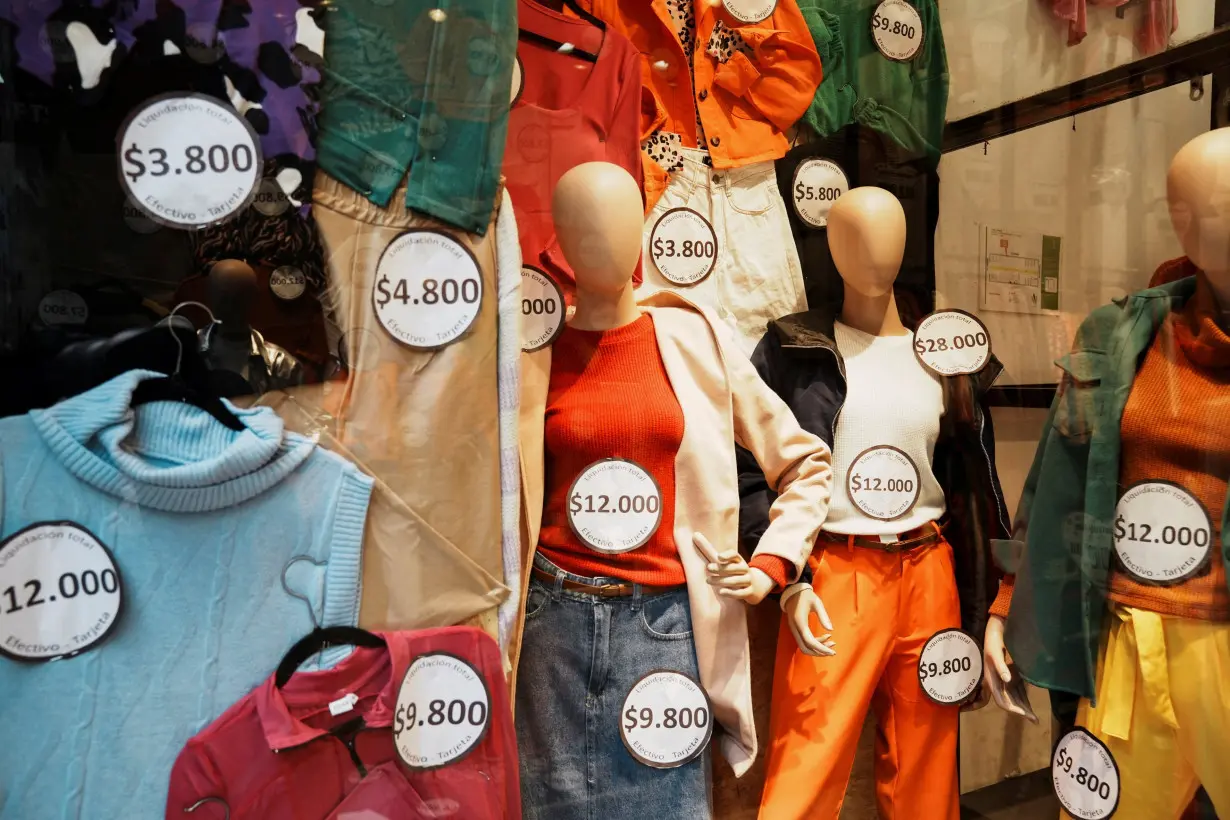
(610, 591)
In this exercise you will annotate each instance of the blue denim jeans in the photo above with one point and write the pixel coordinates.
(580, 656)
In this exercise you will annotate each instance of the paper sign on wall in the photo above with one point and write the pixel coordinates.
(1020, 271)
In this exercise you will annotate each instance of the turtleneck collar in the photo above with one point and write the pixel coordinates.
(1202, 339)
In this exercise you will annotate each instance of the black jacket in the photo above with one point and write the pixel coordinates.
(799, 360)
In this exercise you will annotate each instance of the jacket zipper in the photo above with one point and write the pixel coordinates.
(999, 509)
(845, 386)
(354, 755)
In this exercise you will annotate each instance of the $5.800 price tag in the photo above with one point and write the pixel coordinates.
(666, 720)
(1162, 534)
(1085, 776)
(428, 289)
(443, 710)
(897, 29)
(952, 343)
(188, 160)
(950, 667)
(614, 506)
(883, 482)
(683, 246)
(542, 309)
(817, 185)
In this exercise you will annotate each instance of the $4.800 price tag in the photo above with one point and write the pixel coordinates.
(883, 482)
(59, 592)
(542, 309)
(1163, 535)
(428, 289)
(1085, 776)
(950, 667)
(443, 710)
(614, 506)
(952, 343)
(683, 246)
(666, 720)
(897, 29)
(817, 185)
(188, 160)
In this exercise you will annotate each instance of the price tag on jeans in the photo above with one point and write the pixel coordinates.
(666, 720)
(287, 283)
(897, 29)
(750, 11)
(1163, 535)
(952, 343)
(428, 289)
(1085, 776)
(614, 506)
(443, 710)
(683, 246)
(542, 309)
(950, 667)
(59, 592)
(883, 482)
(63, 307)
(817, 185)
(188, 160)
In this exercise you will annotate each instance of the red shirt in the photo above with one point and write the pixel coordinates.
(278, 754)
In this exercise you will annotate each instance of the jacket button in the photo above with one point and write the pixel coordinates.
(715, 141)
(703, 95)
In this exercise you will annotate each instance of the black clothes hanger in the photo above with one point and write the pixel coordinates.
(583, 14)
(322, 638)
(555, 45)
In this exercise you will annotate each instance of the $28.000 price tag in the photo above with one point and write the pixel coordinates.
(950, 667)
(428, 289)
(683, 246)
(817, 185)
(952, 343)
(666, 720)
(897, 29)
(188, 160)
(542, 309)
(614, 506)
(443, 710)
(1085, 776)
(883, 482)
(59, 592)
(1162, 533)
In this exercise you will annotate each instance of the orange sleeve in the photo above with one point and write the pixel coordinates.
(653, 117)
(1003, 601)
(774, 566)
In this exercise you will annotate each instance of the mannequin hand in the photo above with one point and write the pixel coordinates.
(982, 698)
(997, 675)
(799, 609)
(731, 574)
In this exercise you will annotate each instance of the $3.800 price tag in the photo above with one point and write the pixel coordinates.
(883, 482)
(614, 506)
(952, 343)
(1085, 776)
(683, 246)
(1162, 534)
(542, 309)
(443, 710)
(188, 160)
(897, 29)
(666, 720)
(950, 667)
(817, 185)
(428, 289)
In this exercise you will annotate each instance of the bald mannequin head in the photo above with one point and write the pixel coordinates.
(866, 233)
(1198, 189)
(598, 219)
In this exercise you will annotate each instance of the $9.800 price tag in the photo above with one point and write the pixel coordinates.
(188, 160)
(1085, 776)
(666, 720)
(443, 711)
(614, 506)
(542, 309)
(428, 289)
(1162, 534)
(952, 343)
(683, 246)
(817, 185)
(883, 482)
(950, 667)
(897, 29)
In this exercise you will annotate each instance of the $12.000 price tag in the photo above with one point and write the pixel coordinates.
(443, 710)
(188, 160)
(883, 482)
(952, 343)
(428, 289)
(897, 29)
(1085, 776)
(59, 592)
(817, 185)
(542, 309)
(287, 283)
(666, 720)
(950, 667)
(1162, 534)
(614, 506)
(683, 246)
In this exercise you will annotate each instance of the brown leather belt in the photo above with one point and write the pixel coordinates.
(602, 590)
(924, 536)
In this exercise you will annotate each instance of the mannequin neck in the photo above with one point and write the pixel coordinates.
(601, 310)
(876, 315)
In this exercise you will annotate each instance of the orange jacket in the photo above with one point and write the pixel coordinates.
(746, 105)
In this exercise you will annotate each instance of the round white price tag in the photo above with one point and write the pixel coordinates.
(883, 482)
(443, 710)
(287, 283)
(666, 720)
(1163, 535)
(952, 343)
(683, 246)
(817, 184)
(63, 307)
(750, 11)
(897, 29)
(542, 309)
(950, 667)
(60, 592)
(518, 79)
(188, 160)
(270, 199)
(614, 506)
(428, 289)
(1085, 776)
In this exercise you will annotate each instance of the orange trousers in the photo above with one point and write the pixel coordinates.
(884, 607)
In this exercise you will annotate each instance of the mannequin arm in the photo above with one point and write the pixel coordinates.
(799, 603)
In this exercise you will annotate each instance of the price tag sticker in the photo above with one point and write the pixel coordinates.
(614, 506)
(287, 283)
(883, 482)
(188, 160)
(1162, 534)
(443, 710)
(60, 592)
(817, 185)
(63, 307)
(1085, 776)
(950, 667)
(897, 29)
(428, 289)
(683, 246)
(666, 720)
(952, 343)
(750, 11)
(542, 309)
